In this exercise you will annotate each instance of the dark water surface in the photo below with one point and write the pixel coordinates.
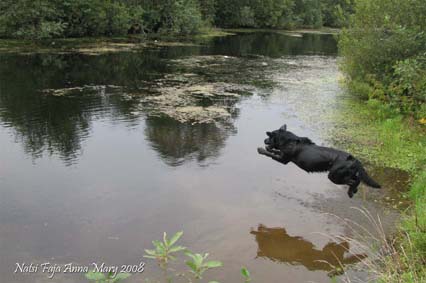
(101, 154)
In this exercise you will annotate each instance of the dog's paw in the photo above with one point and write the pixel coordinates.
(352, 192)
(261, 150)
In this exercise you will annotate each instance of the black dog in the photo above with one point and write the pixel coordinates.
(344, 169)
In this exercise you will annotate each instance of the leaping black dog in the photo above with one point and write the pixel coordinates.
(344, 169)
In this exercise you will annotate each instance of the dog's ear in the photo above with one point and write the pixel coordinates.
(269, 134)
(284, 127)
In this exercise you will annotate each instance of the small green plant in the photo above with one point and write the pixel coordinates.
(198, 265)
(246, 274)
(99, 277)
(164, 250)
(164, 253)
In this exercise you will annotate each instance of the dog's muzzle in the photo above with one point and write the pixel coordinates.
(268, 146)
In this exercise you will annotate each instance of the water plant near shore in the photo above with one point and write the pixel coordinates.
(164, 253)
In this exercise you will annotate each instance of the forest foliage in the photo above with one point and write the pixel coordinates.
(42, 19)
(384, 55)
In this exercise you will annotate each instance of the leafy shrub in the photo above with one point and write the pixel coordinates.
(385, 48)
(167, 251)
(29, 19)
(187, 19)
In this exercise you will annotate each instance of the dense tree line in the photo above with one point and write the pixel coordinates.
(384, 53)
(76, 18)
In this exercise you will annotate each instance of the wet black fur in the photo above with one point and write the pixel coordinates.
(344, 169)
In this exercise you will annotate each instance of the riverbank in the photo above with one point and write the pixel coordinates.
(322, 30)
(373, 133)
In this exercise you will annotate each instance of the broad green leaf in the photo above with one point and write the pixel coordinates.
(175, 238)
(177, 249)
(213, 264)
(190, 254)
(166, 242)
(245, 272)
(95, 276)
(191, 265)
(198, 259)
(150, 252)
(158, 245)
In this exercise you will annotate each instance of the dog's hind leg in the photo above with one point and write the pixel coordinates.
(341, 173)
(344, 173)
(353, 186)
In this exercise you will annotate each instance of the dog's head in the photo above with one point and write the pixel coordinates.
(281, 137)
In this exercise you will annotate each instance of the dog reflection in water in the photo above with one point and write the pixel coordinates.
(277, 245)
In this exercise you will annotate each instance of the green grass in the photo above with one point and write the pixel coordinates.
(375, 133)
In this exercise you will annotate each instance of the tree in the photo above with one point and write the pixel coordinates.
(29, 19)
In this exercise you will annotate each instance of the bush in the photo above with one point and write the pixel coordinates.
(29, 19)
(187, 17)
(383, 48)
(409, 86)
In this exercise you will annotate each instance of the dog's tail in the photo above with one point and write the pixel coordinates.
(367, 179)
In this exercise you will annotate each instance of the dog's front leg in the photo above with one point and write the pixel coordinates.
(277, 157)
(275, 151)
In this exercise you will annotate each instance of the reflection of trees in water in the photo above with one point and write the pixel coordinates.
(276, 45)
(277, 245)
(57, 125)
(178, 142)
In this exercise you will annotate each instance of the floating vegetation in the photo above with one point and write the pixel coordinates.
(86, 89)
(107, 47)
(199, 103)
(200, 89)
(91, 47)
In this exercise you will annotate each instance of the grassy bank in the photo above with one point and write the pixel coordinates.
(374, 133)
(321, 30)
